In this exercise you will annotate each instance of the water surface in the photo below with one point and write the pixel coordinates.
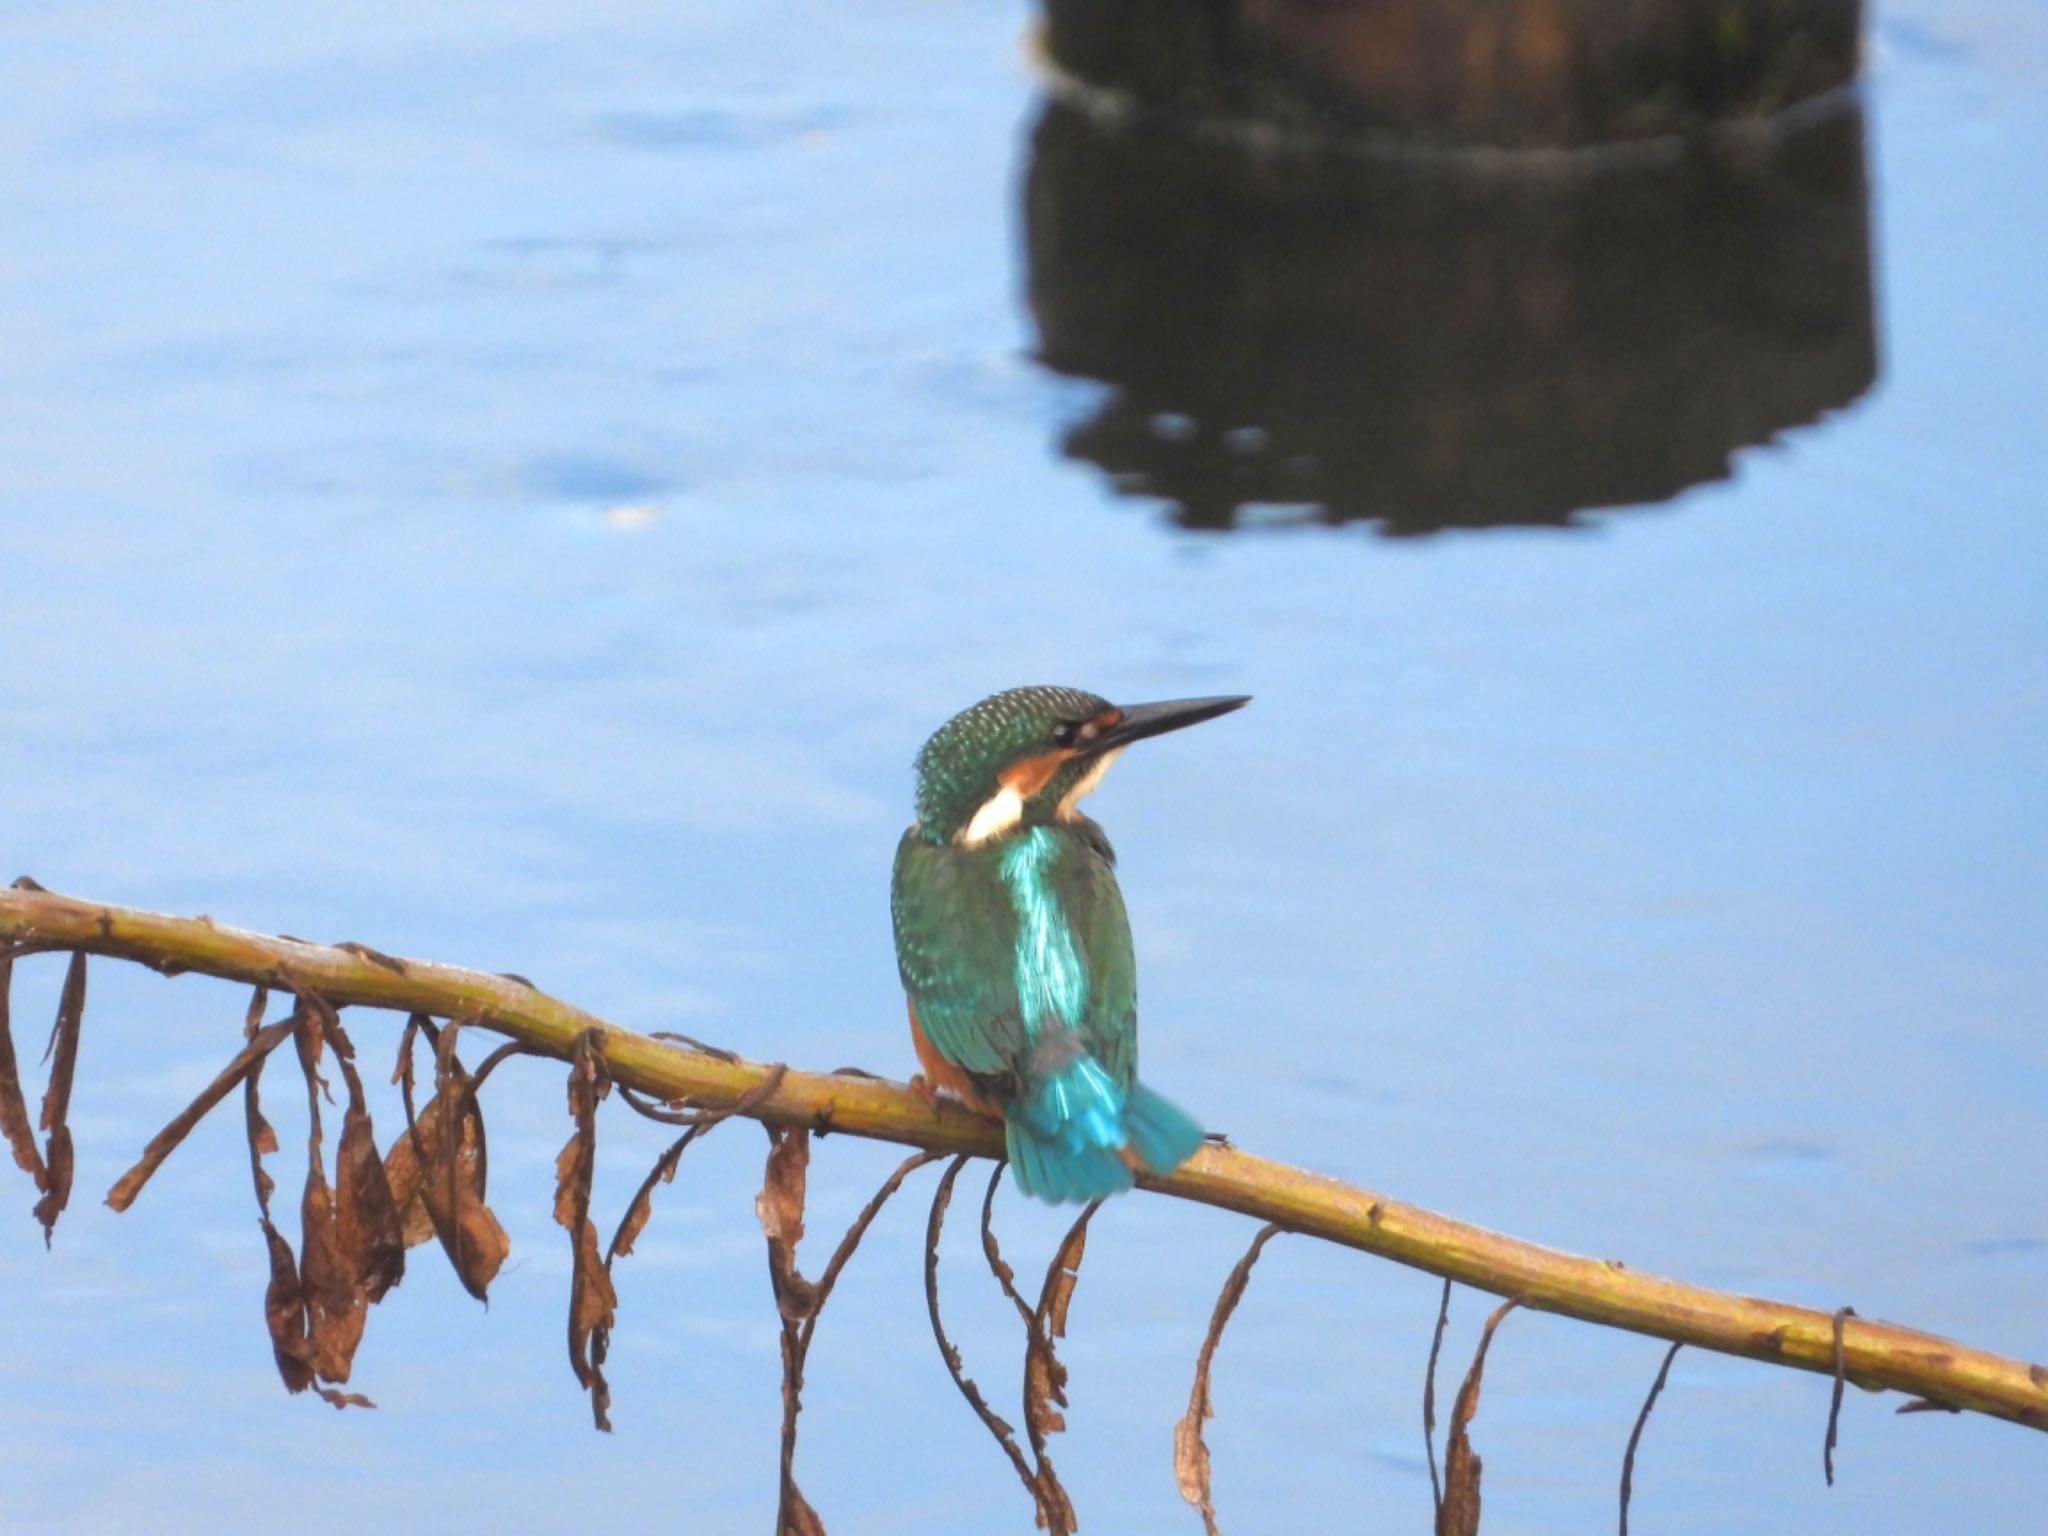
(516, 487)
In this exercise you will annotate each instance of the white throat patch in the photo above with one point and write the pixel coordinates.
(1086, 783)
(1005, 808)
(1000, 812)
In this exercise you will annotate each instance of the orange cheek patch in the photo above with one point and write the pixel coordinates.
(1026, 778)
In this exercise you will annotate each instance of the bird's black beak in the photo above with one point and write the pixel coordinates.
(1142, 720)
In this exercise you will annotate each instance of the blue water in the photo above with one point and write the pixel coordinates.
(516, 484)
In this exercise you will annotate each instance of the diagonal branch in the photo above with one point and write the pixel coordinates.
(1872, 1354)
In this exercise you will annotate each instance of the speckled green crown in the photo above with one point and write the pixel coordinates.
(956, 769)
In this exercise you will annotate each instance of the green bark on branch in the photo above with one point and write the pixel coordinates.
(1873, 1354)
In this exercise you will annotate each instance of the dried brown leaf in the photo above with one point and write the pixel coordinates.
(59, 1162)
(1061, 1277)
(470, 1233)
(350, 1251)
(14, 1121)
(1045, 1378)
(63, 1058)
(586, 1309)
(1459, 1515)
(166, 1141)
(593, 1305)
(592, 1301)
(366, 1215)
(450, 1173)
(796, 1517)
(780, 1207)
(640, 1210)
(780, 1204)
(572, 1180)
(1190, 1449)
(333, 1301)
(284, 1311)
(406, 1177)
(261, 1135)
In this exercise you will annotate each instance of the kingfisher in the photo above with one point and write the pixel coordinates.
(1013, 942)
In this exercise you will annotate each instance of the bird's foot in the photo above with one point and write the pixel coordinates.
(922, 1087)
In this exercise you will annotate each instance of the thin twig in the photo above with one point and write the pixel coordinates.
(491, 1062)
(1002, 1433)
(666, 1115)
(1436, 1344)
(1628, 1459)
(1827, 1449)
(856, 1232)
(1006, 1277)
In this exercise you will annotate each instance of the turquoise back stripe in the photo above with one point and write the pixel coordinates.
(1051, 981)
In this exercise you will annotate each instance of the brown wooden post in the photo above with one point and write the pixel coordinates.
(1360, 341)
(1510, 73)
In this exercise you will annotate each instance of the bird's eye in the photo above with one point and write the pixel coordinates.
(1064, 733)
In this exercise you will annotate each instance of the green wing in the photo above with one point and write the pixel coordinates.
(1085, 878)
(956, 946)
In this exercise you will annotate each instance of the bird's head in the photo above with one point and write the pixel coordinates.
(1026, 756)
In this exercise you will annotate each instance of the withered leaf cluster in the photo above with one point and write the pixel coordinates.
(354, 1230)
(351, 1248)
(432, 1183)
(49, 1167)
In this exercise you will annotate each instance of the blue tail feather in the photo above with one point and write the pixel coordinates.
(1067, 1138)
(1162, 1134)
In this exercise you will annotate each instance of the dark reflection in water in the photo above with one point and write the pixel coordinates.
(1430, 354)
